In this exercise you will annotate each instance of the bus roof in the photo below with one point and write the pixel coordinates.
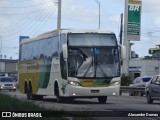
(63, 31)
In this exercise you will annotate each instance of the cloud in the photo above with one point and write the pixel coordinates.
(151, 6)
(4, 22)
(44, 5)
(141, 47)
(77, 11)
(114, 19)
(3, 2)
(74, 11)
(157, 21)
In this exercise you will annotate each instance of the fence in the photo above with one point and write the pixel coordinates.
(132, 91)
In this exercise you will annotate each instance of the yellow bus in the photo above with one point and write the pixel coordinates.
(70, 64)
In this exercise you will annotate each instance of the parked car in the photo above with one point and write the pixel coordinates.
(7, 83)
(153, 89)
(140, 82)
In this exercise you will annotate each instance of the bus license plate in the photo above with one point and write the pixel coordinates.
(94, 91)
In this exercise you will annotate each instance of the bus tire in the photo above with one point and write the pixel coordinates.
(149, 99)
(102, 100)
(29, 92)
(59, 98)
(25, 87)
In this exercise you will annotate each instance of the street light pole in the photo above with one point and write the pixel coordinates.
(99, 4)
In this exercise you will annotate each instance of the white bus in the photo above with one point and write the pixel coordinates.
(70, 64)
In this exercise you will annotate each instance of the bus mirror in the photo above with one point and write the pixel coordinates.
(123, 52)
(65, 51)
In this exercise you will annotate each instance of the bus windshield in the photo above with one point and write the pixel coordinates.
(92, 39)
(90, 60)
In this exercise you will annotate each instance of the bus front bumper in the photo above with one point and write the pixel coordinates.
(78, 91)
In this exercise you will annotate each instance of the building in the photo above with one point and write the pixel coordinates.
(134, 55)
(9, 66)
(155, 51)
(143, 67)
(148, 66)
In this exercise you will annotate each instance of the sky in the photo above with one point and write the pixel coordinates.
(33, 17)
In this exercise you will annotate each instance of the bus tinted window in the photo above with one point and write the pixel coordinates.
(92, 40)
(40, 49)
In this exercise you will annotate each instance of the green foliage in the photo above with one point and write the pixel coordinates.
(125, 80)
(8, 103)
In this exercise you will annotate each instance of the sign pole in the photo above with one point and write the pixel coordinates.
(126, 42)
(134, 19)
(132, 25)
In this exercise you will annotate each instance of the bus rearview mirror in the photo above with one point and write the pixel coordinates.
(65, 51)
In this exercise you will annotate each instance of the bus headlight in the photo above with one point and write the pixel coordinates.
(115, 83)
(75, 83)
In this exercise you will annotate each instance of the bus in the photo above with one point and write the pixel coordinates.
(70, 64)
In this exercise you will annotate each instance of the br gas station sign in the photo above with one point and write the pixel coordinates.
(134, 20)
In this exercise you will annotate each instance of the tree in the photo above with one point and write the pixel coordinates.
(125, 80)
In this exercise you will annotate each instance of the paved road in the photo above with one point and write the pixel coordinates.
(115, 106)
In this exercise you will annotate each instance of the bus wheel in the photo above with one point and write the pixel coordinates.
(149, 99)
(102, 99)
(59, 99)
(29, 93)
(25, 87)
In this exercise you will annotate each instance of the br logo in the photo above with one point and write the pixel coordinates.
(134, 7)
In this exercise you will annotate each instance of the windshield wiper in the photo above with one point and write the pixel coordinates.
(102, 70)
(90, 65)
(88, 69)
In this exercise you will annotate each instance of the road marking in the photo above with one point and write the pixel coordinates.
(114, 102)
(151, 118)
(77, 106)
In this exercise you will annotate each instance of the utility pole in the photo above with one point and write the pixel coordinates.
(59, 15)
(121, 30)
(99, 4)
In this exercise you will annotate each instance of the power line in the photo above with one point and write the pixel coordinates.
(44, 19)
(17, 0)
(38, 26)
(22, 22)
(27, 18)
(24, 6)
(11, 14)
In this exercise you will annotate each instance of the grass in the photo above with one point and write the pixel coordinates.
(8, 103)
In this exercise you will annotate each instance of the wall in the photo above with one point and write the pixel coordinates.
(2, 66)
(144, 67)
(8, 66)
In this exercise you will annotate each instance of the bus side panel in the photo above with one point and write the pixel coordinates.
(38, 72)
(45, 73)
